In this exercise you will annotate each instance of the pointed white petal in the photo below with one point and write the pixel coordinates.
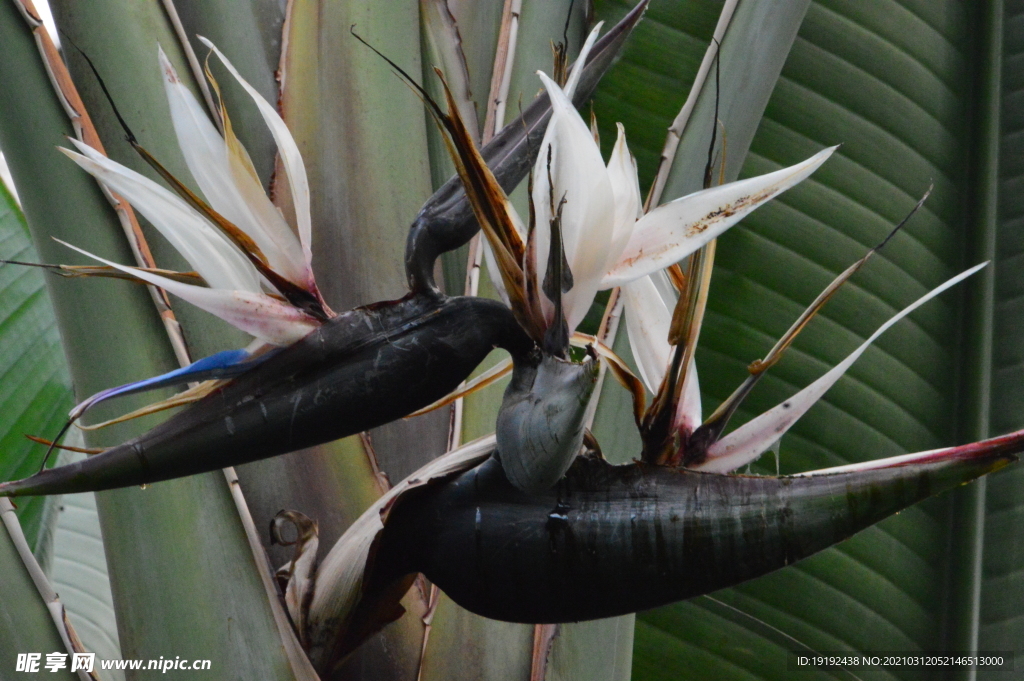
(233, 193)
(649, 302)
(1005, 443)
(747, 442)
(688, 412)
(289, 150)
(670, 232)
(269, 319)
(647, 322)
(626, 195)
(219, 261)
(577, 68)
(580, 177)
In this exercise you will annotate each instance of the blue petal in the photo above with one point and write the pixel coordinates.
(226, 364)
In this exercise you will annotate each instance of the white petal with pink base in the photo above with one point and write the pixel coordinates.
(291, 158)
(750, 440)
(266, 318)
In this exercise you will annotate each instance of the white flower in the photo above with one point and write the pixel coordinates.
(268, 292)
(607, 240)
(649, 303)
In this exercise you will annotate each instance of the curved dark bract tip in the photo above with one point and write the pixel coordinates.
(610, 540)
(362, 369)
(446, 220)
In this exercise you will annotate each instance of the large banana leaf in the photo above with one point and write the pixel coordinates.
(35, 391)
(35, 395)
(886, 78)
(903, 86)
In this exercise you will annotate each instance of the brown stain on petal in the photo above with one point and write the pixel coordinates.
(742, 203)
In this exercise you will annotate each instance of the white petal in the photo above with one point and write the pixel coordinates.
(208, 251)
(269, 319)
(289, 150)
(580, 177)
(626, 194)
(647, 322)
(577, 68)
(235, 195)
(649, 302)
(1008, 442)
(670, 232)
(747, 442)
(688, 413)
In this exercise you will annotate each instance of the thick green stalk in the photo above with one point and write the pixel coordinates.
(365, 148)
(362, 134)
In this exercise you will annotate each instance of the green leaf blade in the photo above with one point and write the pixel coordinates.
(35, 391)
(883, 79)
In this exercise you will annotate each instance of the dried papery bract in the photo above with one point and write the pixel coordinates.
(297, 577)
(344, 582)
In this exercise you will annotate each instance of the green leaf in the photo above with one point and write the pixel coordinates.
(35, 391)
(884, 79)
